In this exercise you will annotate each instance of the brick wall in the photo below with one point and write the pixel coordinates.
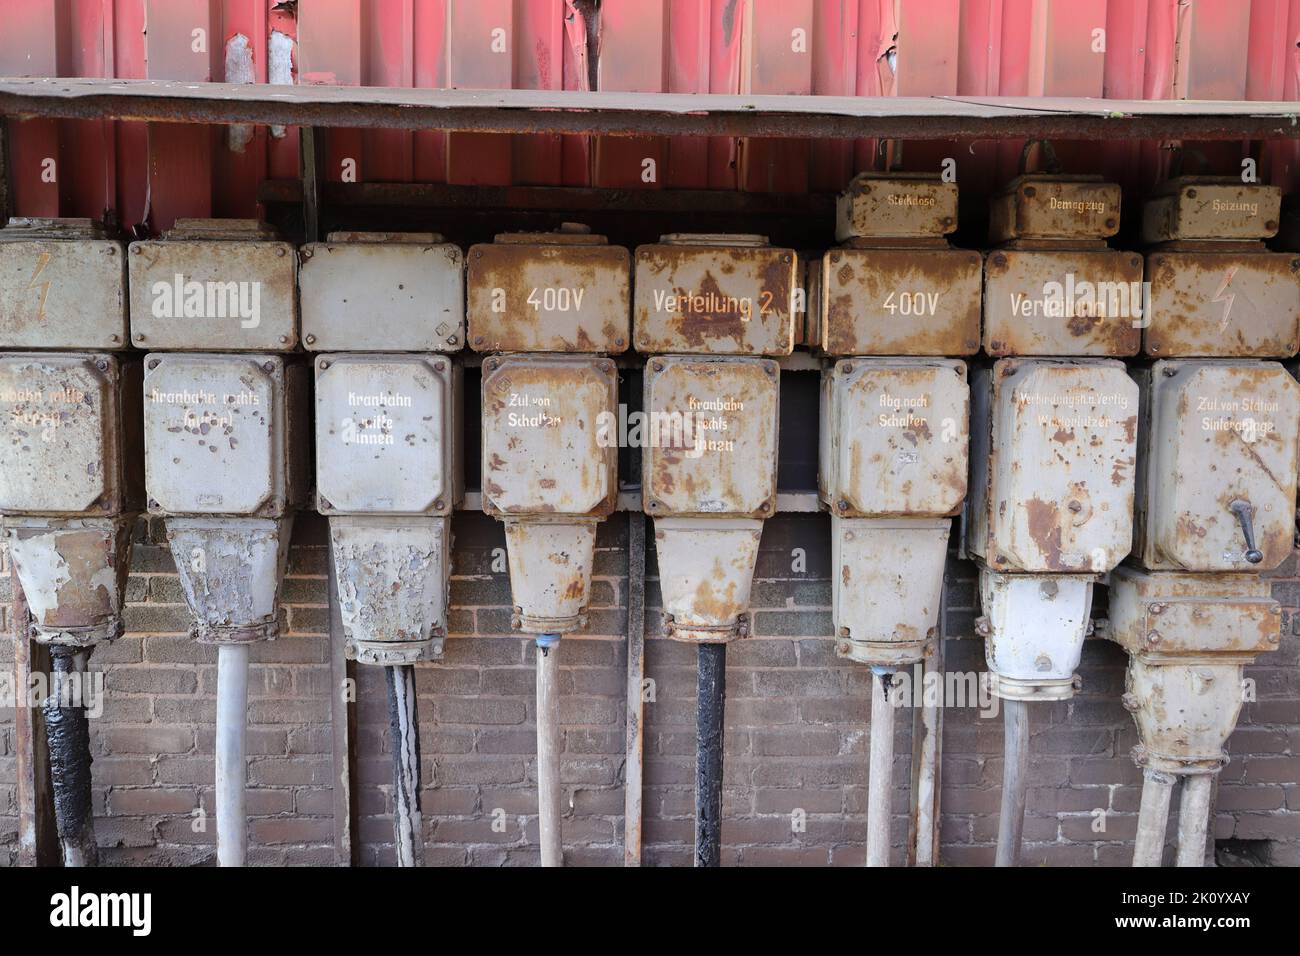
(797, 730)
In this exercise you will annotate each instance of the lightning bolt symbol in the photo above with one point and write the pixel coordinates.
(42, 261)
(1222, 295)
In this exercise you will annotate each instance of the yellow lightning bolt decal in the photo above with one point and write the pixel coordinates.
(42, 261)
(1227, 298)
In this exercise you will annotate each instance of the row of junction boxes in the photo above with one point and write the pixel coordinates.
(1063, 459)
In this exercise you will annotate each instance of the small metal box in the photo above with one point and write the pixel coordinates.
(1218, 452)
(69, 434)
(894, 437)
(1054, 444)
(218, 285)
(712, 443)
(715, 294)
(371, 292)
(62, 286)
(549, 292)
(224, 434)
(387, 431)
(550, 436)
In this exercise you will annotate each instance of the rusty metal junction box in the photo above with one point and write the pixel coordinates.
(214, 285)
(71, 471)
(1217, 465)
(896, 287)
(1055, 444)
(1051, 508)
(388, 476)
(565, 291)
(1054, 288)
(382, 292)
(894, 438)
(715, 294)
(549, 477)
(71, 484)
(1215, 289)
(226, 462)
(62, 286)
(709, 480)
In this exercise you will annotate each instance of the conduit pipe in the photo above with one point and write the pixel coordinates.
(232, 726)
(549, 742)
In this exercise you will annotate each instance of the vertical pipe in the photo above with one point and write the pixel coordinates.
(711, 701)
(548, 749)
(68, 735)
(880, 781)
(633, 778)
(1153, 816)
(404, 731)
(1015, 758)
(925, 785)
(1194, 819)
(232, 724)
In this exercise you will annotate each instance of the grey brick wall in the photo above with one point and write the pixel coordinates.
(797, 731)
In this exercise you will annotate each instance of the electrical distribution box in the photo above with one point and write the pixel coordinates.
(894, 437)
(550, 435)
(1216, 290)
(564, 291)
(214, 285)
(69, 434)
(383, 292)
(1054, 288)
(896, 287)
(712, 448)
(1217, 465)
(62, 286)
(387, 434)
(223, 434)
(1055, 443)
(715, 294)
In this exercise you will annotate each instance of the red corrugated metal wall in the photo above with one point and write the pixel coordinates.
(154, 173)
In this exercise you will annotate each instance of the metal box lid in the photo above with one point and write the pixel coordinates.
(402, 292)
(214, 284)
(896, 204)
(386, 428)
(1219, 432)
(900, 301)
(1223, 304)
(712, 442)
(715, 294)
(1211, 207)
(62, 286)
(897, 437)
(1063, 302)
(215, 434)
(547, 447)
(549, 292)
(1059, 439)
(69, 434)
(1049, 206)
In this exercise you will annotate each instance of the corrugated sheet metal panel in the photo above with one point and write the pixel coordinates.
(1153, 49)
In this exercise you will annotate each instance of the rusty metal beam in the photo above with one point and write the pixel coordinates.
(637, 114)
